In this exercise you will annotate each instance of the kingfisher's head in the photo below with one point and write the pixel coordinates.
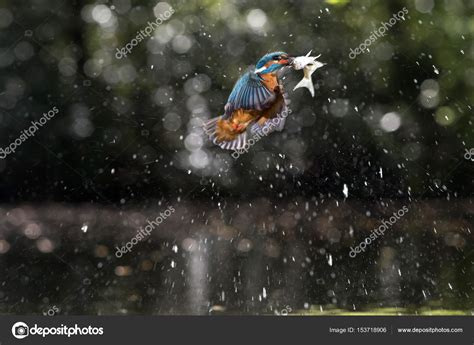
(272, 62)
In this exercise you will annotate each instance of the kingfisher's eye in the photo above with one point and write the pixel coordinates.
(276, 58)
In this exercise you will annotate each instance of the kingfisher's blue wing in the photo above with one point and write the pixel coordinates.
(249, 93)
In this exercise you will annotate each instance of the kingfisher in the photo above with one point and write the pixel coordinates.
(256, 106)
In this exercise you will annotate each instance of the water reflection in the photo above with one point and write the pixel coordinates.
(203, 260)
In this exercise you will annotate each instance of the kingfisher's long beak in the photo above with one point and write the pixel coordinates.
(287, 62)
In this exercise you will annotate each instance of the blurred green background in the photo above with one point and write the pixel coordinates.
(141, 114)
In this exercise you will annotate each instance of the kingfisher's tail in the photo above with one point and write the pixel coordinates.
(218, 132)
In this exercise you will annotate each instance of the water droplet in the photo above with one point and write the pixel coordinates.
(345, 190)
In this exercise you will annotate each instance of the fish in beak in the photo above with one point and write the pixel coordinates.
(308, 64)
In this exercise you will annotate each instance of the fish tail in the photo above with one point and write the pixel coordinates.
(307, 83)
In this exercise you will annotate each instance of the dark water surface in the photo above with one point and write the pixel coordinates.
(258, 258)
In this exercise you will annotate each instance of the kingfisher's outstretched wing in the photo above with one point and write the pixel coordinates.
(251, 99)
(249, 93)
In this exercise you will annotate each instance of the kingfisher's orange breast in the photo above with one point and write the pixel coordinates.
(270, 81)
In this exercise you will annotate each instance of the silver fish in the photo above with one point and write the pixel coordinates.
(308, 64)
